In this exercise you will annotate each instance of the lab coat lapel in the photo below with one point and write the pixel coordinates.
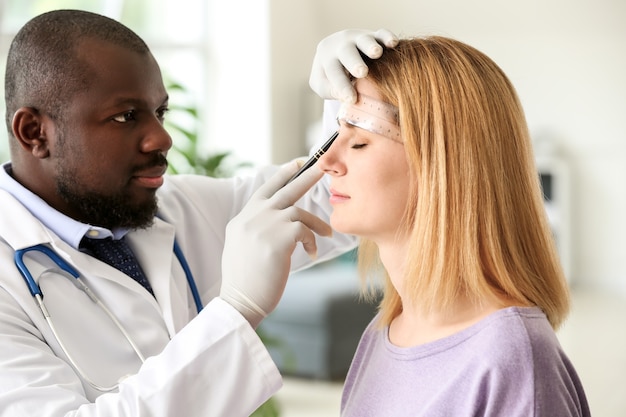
(31, 232)
(154, 249)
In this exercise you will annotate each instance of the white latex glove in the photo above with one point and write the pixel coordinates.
(338, 53)
(261, 239)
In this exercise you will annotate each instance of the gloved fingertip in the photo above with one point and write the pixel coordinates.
(376, 51)
(360, 71)
(388, 38)
(392, 43)
(347, 95)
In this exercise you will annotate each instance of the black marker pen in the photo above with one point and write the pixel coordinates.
(321, 151)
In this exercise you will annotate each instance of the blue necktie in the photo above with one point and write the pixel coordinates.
(118, 254)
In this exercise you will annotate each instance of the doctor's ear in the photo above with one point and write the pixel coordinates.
(29, 130)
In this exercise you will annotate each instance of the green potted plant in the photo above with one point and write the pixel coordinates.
(186, 155)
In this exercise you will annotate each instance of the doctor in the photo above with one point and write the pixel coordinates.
(85, 107)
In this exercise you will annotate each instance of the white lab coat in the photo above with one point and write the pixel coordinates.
(210, 365)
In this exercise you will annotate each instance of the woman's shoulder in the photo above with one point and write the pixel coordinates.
(516, 331)
(528, 346)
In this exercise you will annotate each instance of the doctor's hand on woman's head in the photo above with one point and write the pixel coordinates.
(261, 239)
(339, 54)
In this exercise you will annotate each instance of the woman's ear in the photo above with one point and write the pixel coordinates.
(28, 129)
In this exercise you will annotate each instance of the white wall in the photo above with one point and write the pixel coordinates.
(294, 33)
(238, 87)
(567, 60)
(260, 55)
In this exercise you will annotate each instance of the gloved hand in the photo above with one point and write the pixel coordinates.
(261, 239)
(341, 50)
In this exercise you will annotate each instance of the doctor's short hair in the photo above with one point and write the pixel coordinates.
(43, 70)
(475, 212)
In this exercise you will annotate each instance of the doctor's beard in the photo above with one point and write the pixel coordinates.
(106, 210)
(109, 211)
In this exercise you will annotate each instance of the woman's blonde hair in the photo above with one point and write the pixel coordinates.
(475, 213)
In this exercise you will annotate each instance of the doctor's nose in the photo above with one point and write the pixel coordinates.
(156, 138)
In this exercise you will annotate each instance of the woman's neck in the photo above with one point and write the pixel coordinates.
(413, 326)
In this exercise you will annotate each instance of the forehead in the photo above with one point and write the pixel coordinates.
(112, 70)
(371, 113)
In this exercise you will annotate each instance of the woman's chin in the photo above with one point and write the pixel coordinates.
(348, 228)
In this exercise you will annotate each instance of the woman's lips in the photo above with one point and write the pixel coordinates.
(337, 197)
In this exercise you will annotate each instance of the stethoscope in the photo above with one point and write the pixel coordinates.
(35, 291)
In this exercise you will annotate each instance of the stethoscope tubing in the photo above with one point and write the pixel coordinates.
(61, 263)
(36, 292)
(190, 280)
(28, 277)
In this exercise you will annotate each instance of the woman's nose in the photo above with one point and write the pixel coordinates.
(330, 162)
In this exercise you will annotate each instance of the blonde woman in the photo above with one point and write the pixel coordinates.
(433, 170)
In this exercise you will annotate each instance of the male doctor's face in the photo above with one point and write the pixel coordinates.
(111, 144)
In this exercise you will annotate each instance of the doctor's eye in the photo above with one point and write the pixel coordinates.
(125, 117)
(162, 112)
(358, 145)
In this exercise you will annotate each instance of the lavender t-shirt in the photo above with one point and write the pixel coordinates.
(509, 364)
